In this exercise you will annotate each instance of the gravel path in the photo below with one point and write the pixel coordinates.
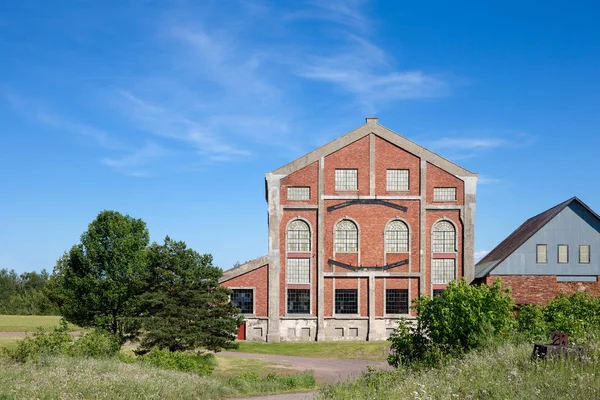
(325, 370)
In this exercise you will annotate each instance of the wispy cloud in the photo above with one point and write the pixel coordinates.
(135, 162)
(480, 254)
(486, 180)
(478, 144)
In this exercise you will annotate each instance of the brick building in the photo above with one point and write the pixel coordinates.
(358, 228)
(552, 252)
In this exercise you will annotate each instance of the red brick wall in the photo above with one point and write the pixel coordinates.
(355, 155)
(437, 177)
(307, 176)
(257, 279)
(311, 217)
(328, 297)
(390, 156)
(372, 220)
(432, 216)
(539, 289)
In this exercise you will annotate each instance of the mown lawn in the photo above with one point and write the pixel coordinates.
(338, 350)
(9, 341)
(231, 366)
(28, 323)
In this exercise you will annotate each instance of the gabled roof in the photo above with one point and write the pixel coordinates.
(372, 126)
(521, 235)
(244, 268)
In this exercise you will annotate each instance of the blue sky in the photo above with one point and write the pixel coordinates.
(172, 111)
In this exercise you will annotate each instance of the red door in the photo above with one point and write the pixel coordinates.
(242, 332)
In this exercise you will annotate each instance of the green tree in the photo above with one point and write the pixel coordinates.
(183, 307)
(96, 281)
(462, 318)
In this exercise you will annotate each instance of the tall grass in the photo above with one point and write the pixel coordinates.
(504, 372)
(77, 378)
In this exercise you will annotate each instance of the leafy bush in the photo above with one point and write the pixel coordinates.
(462, 318)
(577, 314)
(202, 364)
(41, 344)
(96, 344)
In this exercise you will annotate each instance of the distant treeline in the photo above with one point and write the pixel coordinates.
(25, 294)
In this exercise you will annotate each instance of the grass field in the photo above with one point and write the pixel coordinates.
(339, 350)
(87, 378)
(28, 323)
(10, 341)
(503, 373)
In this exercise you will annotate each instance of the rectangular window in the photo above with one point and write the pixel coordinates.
(346, 179)
(584, 254)
(346, 301)
(541, 254)
(298, 301)
(397, 180)
(244, 300)
(563, 254)
(396, 301)
(298, 193)
(442, 270)
(444, 194)
(437, 292)
(298, 270)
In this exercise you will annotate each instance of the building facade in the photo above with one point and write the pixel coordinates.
(553, 252)
(358, 228)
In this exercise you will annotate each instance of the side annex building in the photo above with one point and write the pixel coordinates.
(358, 228)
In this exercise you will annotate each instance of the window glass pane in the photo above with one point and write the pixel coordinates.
(437, 292)
(298, 301)
(397, 179)
(298, 193)
(346, 179)
(396, 301)
(584, 254)
(346, 301)
(244, 300)
(443, 238)
(396, 237)
(563, 254)
(542, 253)
(442, 270)
(346, 237)
(298, 270)
(444, 194)
(298, 236)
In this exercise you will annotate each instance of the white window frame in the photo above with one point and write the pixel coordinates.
(298, 240)
(346, 180)
(298, 193)
(566, 254)
(298, 271)
(444, 194)
(342, 241)
(589, 250)
(398, 180)
(442, 277)
(439, 232)
(538, 254)
(396, 239)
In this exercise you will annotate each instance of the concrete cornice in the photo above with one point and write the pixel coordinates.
(244, 268)
(372, 126)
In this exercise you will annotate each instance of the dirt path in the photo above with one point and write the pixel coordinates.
(288, 396)
(325, 370)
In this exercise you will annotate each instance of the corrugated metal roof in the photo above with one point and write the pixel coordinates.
(520, 236)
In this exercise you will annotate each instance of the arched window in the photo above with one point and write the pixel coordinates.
(346, 237)
(443, 238)
(298, 236)
(396, 237)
